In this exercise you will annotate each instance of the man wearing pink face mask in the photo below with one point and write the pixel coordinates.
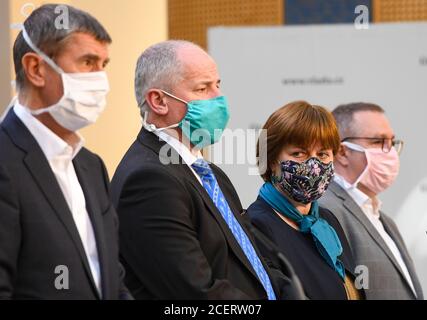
(366, 165)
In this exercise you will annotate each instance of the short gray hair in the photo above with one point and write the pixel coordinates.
(344, 113)
(159, 67)
(41, 29)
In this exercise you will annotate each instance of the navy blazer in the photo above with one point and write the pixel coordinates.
(318, 279)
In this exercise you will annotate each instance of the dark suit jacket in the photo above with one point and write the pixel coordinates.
(318, 279)
(174, 242)
(37, 230)
(386, 279)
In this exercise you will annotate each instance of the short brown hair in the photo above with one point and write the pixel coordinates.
(298, 123)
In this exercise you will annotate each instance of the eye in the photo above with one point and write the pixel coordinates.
(377, 141)
(297, 154)
(202, 89)
(324, 155)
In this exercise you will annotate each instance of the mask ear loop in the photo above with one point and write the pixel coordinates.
(48, 60)
(356, 147)
(151, 127)
(175, 97)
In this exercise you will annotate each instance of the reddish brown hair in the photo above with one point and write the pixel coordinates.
(301, 124)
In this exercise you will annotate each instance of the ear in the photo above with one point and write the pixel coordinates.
(157, 102)
(342, 156)
(34, 69)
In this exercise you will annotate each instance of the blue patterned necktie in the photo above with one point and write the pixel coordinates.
(203, 169)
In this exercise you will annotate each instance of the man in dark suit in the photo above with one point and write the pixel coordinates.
(181, 233)
(58, 228)
(366, 165)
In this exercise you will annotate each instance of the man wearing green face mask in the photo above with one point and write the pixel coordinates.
(203, 123)
(181, 233)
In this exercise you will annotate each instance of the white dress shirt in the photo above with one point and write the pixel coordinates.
(60, 156)
(188, 156)
(371, 208)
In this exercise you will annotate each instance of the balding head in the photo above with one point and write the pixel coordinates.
(162, 66)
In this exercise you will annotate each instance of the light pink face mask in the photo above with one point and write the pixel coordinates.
(381, 170)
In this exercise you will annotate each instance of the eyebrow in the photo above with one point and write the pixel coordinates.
(297, 149)
(207, 82)
(95, 57)
(384, 136)
(293, 149)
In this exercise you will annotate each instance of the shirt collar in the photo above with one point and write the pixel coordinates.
(358, 196)
(51, 144)
(186, 154)
(373, 206)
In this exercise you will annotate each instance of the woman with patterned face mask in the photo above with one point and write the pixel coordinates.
(297, 154)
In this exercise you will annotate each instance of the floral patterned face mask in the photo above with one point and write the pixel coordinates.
(305, 181)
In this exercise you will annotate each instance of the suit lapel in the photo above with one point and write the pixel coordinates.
(152, 141)
(234, 245)
(405, 256)
(95, 215)
(357, 212)
(213, 210)
(44, 177)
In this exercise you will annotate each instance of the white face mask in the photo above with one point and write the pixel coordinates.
(84, 97)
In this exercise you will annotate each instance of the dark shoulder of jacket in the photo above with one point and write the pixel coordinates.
(96, 166)
(89, 155)
(91, 159)
(9, 152)
(259, 210)
(136, 158)
(329, 216)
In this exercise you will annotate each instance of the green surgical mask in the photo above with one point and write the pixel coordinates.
(204, 121)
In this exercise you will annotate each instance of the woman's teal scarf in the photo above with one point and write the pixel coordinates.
(326, 239)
